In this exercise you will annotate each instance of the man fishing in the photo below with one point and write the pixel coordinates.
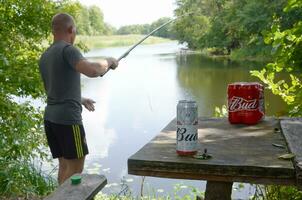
(60, 67)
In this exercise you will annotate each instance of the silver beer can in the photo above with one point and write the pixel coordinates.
(187, 130)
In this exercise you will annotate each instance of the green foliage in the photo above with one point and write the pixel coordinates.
(21, 132)
(259, 53)
(287, 52)
(227, 25)
(25, 26)
(221, 112)
(96, 20)
(285, 37)
(23, 179)
(22, 141)
(90, 21)
(133, 29)
(165, 32)
(273, 192)
(180, 192)
(82, 21)
(191, 29)
(192, 194)
(20, 45)
(109, 30)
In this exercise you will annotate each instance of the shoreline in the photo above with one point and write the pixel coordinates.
(97, 42)
(91, 43)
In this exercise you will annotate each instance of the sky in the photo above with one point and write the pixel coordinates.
(125, 12)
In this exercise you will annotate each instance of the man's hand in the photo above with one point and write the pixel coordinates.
(88, 103)
(112, 62)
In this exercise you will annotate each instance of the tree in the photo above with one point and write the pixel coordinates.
(25, 27)
(109, 29)
(227, 25)
(286, 40)
(96, 20)
(131, 29)
(165, 32)
(90, 21)
(192, 27)
(83, 21)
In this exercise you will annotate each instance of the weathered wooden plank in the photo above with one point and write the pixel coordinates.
(240, 153)
(292, 131)
(220, 177)
(90, 185)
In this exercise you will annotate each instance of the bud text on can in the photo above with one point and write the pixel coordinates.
(187, 131)
(245, 102)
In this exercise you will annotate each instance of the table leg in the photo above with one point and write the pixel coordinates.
(218, 190)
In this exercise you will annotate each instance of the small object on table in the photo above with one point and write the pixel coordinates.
(278, 145)
(287, 156)
(75, 179)
(204, 156)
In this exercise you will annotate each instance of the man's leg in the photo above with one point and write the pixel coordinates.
(62, 170)
(53, 140)
(69, 167)
(70, 147)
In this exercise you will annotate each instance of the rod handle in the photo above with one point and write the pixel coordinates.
(120, 58)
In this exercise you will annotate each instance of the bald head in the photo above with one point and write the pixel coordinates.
(62, 22)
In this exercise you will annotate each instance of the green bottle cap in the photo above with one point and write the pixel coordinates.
(76, 179)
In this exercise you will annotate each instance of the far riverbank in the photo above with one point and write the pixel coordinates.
(106, 41)
(95, 42)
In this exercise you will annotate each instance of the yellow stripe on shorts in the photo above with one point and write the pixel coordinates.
(80, 142)
(76, 140)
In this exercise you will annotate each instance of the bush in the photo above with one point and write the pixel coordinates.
(21, 178)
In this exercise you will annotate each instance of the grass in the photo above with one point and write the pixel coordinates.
(93, 42)
(23, 180)
(180, 192)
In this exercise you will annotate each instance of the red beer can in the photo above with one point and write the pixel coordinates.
(245, 102)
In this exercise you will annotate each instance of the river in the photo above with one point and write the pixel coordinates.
(135, 101)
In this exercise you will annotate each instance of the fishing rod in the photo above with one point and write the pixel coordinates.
(143, 39)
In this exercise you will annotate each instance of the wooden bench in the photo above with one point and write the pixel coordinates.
(90, 185)
(292, 131)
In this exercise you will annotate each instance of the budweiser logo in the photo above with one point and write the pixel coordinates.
(238, 104)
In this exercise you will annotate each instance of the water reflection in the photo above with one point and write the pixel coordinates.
(207, 79)
(95, 122)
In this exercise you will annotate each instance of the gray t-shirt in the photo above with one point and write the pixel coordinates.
(62, 83)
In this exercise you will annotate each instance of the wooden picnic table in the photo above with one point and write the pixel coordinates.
(239, 153)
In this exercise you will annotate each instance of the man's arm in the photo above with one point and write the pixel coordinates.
(95, 69)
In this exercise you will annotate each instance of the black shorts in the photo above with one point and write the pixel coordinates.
(67, 141)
